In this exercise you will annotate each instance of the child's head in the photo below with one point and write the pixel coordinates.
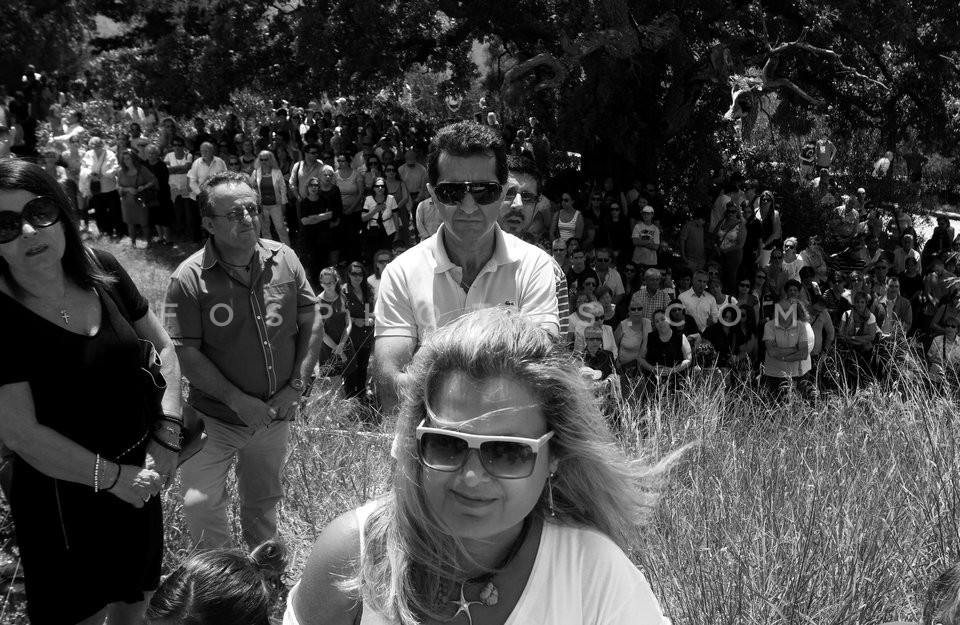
(943, 598)
(221, 587)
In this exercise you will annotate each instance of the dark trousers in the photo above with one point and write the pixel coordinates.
(106, 208)
(355, 383)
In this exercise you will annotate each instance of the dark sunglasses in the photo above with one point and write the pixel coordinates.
(379, 186)
(505, 457)
(40, 212)
(452, 193)
(745, 285)
(358, 274)
(636, 308)
(602, 260)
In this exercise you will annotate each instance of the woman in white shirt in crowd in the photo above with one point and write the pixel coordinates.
(531, 528)
(271, 184)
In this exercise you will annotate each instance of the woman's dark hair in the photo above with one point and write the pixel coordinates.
(221, 587)
(134, 158)
(365, 287)
(78, 263)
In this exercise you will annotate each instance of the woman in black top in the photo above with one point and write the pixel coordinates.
(360, 299)
(320, 214)
(667, 352)
(90, 454)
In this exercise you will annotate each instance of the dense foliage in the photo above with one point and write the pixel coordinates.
(639, 88)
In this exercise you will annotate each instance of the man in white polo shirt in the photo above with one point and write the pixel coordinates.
(469, 264)
(700, 305)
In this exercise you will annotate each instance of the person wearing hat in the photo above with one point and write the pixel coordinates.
(646, 239)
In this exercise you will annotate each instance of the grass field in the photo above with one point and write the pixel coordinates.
(836, 512)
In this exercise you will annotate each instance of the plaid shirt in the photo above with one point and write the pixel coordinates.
(652, 303)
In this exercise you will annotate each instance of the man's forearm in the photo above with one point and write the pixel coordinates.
(309, 338)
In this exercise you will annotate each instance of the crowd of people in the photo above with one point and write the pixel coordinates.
(493, 305)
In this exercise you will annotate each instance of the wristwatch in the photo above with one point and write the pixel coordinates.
(297, 384)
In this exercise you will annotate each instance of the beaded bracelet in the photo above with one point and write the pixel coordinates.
(167, 428)
(174, 448)
(96, 474)
(116, 479)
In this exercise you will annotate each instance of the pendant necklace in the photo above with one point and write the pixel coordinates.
(62, 311)
(490, 594)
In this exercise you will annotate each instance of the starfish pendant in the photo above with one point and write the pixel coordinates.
(463, 606)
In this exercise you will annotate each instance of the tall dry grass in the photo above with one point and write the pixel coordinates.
(837, 511)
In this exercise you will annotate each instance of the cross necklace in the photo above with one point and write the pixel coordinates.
(62, 311)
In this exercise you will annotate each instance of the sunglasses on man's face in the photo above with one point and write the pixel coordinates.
(505, 457)
(40, 212)
(452, 193)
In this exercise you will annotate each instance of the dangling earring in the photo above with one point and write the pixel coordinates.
(550, 494)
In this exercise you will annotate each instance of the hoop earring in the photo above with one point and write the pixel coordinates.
(550, 494)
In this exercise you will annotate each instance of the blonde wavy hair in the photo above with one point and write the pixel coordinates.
(408, 551)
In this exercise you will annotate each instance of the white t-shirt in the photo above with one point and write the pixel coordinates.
(420, 290)
(579, 577)
(802, 332)
(644, 255)
(179, 184)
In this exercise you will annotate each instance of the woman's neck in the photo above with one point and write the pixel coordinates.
(41, 283)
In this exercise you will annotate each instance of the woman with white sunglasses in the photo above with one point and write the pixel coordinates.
(510, 501)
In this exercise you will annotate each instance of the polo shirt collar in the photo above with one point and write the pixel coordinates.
(263, 249)
(501, 252)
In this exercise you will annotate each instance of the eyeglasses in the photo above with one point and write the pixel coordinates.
(237, 215)
(950, 326)
(176, 145)
(744, 285)
(589, 339)
(356, 274)
(559, 249)
(452, 193)
(636, 309)
(629, 270)
(529, 197)
(40, 212)
(379, 186)
(390, 170)
(264, 160)
(603, 260)
(505, 457)
(382, 261)
(313, 184)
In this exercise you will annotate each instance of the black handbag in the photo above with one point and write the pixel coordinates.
(154, 385)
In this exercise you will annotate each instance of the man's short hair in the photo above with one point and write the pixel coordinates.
(893, 279)
(465, 139)
(652, 272)
(217, 180)
(524, 165)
